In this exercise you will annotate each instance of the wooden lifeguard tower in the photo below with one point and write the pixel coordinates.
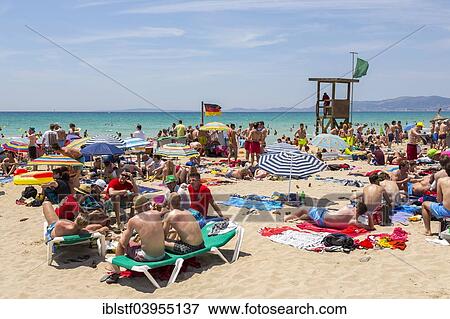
(330, 110)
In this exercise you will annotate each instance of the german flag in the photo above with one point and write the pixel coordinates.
(212, 109)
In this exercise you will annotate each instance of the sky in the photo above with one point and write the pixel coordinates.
(236, 53)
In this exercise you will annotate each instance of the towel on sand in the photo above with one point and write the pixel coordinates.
(351, 230)
(293, 237)
(252, 202)
(145, 189)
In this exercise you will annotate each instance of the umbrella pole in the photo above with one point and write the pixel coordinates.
(290, 177)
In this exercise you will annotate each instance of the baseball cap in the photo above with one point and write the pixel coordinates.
(170, 179)
(100, 183)
(419, 124)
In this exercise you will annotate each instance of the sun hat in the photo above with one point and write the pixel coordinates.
(140, 201)
(100, 183)
(83, 189)
(419, 124)
(170, 179)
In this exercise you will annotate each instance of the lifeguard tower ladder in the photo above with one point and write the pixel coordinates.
(329, 111)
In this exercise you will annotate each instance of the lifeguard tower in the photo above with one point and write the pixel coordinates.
(330, 110)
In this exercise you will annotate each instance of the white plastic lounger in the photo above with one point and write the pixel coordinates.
(74, 240)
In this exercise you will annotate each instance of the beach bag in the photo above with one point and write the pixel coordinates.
(339, 240)
(29, 192)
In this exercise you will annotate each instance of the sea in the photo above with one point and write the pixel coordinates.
(14, 124)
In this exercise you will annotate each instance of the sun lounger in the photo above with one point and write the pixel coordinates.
(212, 245)
(75, 240)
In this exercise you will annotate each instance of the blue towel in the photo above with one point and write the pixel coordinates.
(266, 205)
(6, 179)
(145, 189)
(402, 213)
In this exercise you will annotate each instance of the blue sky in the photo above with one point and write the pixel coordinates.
(243, 53)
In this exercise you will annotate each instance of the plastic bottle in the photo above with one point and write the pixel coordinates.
(302, 198)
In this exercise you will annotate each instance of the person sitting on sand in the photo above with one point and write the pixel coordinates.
(9, 164)
(376, 157)
(201, 197)
(62, 227)
(396, 158)
(401, 176)
(121, 190)
(260, 174)
(441, 209)
(391, 188)
(154, 165)
(338, 220)
(441, 173)
(186, 227)
(149, 227)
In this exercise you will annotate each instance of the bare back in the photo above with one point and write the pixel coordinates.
(186, 226)
(391, 189)
(444, 192)
(372, 196)
(150, 229)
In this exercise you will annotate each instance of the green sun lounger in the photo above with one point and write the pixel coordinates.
(74, 240)
(212, 245)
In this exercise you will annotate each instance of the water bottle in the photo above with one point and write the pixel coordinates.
(302, 198)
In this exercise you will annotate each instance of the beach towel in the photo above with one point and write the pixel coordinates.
(351, 230)
(344, 182)
(396, 240)
(6, 179)
(299, 239)
(252, 202)
(270, 231)
(145, 189)
(402, 213)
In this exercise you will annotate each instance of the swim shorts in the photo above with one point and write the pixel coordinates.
(317, 215)
(439, 211)
(391, 137)
(181, 248)
(442, 136)
(134, 251)
(48, 232)
(302, 141)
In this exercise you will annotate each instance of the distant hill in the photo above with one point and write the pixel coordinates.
(399, 104)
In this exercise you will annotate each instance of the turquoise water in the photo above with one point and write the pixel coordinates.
(14, 124)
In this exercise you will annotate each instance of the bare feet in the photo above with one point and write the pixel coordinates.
(427, 233)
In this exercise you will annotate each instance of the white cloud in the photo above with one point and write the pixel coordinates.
(247, 39)
(144, 32)
(154, 54)
(244, 5)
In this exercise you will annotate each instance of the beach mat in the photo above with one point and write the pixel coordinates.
(145, 189)
(265, 205)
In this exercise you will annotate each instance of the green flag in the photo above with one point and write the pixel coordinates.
(361, 68)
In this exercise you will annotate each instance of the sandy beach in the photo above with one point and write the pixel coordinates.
(265, 269)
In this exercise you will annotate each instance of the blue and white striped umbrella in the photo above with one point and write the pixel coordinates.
(329, 142)
(108, 139)
(135, 142)
(291, 164)
(281, 147)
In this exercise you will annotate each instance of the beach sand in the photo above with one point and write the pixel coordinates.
(264, 270)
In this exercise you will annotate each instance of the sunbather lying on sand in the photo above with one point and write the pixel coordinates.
(239, 173)
(63, 227)
(339, 220)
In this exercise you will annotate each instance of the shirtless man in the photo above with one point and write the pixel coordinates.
(413, 140)
(263, 135)
(185, 225)
(391, 133)
(401, 176)
(374, 194)
(338, 220)
(441, 209)
(63, 227)
(9, 164)
(391, 188)
(442, 173)
(254, 138)
(239, 173)
(233, 148)
(301, 135)
(32, 150)
(443, 131)
(245, 135)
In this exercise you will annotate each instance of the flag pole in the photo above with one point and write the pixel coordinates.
(203, 119)
(353, 73)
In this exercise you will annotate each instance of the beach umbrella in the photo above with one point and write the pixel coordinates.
(135, 142)
(214, 126)
(409, 126)
(176, 150)
(291, 164)
(71, 137)
(101, 149)
(329, 142)
(78, 143)
(15, 146)
(108, 139)
(56, 160)
(281, 147)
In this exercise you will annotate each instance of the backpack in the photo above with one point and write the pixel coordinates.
(29, 192)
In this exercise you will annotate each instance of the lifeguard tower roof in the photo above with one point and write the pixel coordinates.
(335, 80)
